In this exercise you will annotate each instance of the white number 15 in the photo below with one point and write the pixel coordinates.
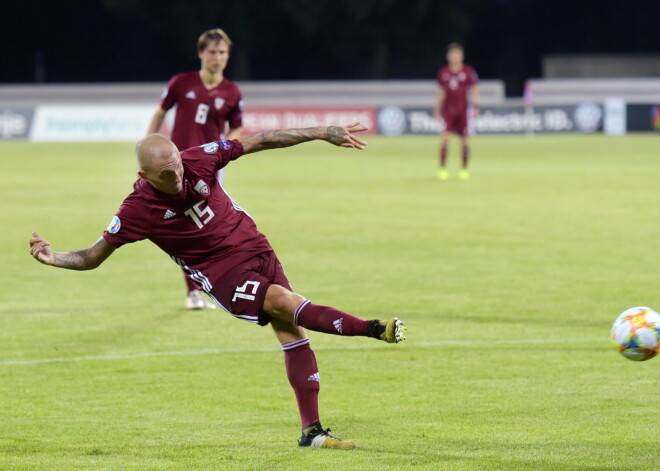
(197, 214)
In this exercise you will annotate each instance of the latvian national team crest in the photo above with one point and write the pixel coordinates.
(202, 188)
(219, 102)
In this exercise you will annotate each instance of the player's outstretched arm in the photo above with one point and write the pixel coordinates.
(86, 259)
(343, 136)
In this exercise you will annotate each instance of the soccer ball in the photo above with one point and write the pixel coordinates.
(636, 333)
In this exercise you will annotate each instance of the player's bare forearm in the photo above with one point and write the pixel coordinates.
(475, 99)
(276, 139)
(475, 95)
(279, 138)
(439, 101)
(75, 260)
(234, 133)
(156, 121)
(85, 259)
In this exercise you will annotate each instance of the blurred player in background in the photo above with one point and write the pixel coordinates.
(456, 80)
(207, 104)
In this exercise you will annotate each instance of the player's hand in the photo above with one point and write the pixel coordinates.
(343, 136)
(40, 250)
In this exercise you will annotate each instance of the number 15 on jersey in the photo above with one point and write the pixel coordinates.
(200, 215)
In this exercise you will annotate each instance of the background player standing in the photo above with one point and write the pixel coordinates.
(206, 104)
(178, 204)
(456, 80)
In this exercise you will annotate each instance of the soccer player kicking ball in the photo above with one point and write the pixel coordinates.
(455, 80)
(206, 102)
(178, 204)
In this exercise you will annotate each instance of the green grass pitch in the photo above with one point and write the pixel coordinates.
(508, 282)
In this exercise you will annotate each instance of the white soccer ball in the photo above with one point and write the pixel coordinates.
(636, 333)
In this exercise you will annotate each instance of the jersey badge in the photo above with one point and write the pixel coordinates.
(211, 147)
(226, 145)
(191, 95)
(219, 102)
(202, 188)
(169, 214)
(114, 225)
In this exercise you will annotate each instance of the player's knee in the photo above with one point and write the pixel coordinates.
(280, 303)
(286, 331)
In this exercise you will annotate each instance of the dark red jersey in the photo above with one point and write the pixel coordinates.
(201, 113)
(456, 86)
(201, 228)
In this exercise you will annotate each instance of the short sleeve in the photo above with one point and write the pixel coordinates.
(474, 78)
(125, 227)
(207, 159)
(226, 151)
(235, 118)
(168, 98)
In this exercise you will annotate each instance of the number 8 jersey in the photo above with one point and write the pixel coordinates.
(201, 227)
(201, 113)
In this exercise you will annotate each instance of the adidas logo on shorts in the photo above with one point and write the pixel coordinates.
(315, 377)
(337, 324)
(169, 214)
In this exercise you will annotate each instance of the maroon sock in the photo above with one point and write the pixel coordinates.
(304, 378)
(190, 284)
(466, 155)
(328, 320)
(443, 155)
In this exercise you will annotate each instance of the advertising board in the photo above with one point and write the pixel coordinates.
(586, 117)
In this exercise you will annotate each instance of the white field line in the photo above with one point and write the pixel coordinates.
(220, 351)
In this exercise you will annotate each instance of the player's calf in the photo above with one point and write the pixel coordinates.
(284, 305)
(333, 321)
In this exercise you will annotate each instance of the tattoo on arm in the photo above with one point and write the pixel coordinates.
(86, 259)
(277, 139)
(280, 138)
(335, 134)
(75, 260)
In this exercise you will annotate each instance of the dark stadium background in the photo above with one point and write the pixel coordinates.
(150, 40)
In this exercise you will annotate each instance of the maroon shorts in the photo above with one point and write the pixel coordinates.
(242, 290)
(456, 122)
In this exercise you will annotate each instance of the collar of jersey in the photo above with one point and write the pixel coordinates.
(151, 190)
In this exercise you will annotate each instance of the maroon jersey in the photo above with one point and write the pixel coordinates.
(201, 113)
(456, 86)
(201, 228)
